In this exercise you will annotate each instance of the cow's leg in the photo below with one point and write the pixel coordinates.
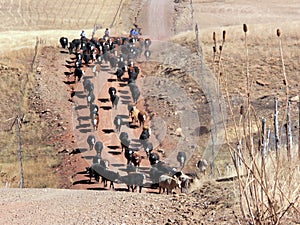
(112, 186)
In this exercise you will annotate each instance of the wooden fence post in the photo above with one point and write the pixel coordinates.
(192, 12)
(299, 130)
(18, 121)
(289, 134)
(276, 127)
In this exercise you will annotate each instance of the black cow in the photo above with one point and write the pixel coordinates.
(128, 154)
(107, 175)
(112, 91)
(145, 135)
(162, 166)
(130, 168)
(114, 100)
(78, 73)
(181, 158)
(91, 140)
(74, 44)
(64, 42)
(119, 74)
(121, 65)
(99, 147)
(97, 163)
(88, 85)
(87, 58)
(135, 92)
(90, 98)
(79, 56)
(134, 180)
(153, 158)
(78, 63)
(93, 109)
(113, 62)
(154, 176)
(148, 147)
(118, 123)
(125, 141)
(97, 158)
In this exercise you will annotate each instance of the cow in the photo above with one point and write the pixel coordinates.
(87, 58)
(99, 147)
(142, 117)
(133, 180)
(88, 85)
(114, 100)
(125, 141)
(154, 176)
(147, 43)
(136, 159)
(79, 56)
(119, 74)
(130, 168)
(145, 135)
(148, 147)
(134, 113)
(118, 123)
(78, 73)
(112, 91)
(153, 158)
(181, 158)
(93, 170)
(106, 174)
(95, 120)
(184, 179)
(64, 42)
(113, 62)
(166, 182)
(74, 44)
(122, 65)
(78, 63)
(202, 165)
(130, 108)
(147, 54)
(135, 92)
(128, 154)
(90, 98)
(91, 140)
(132, 74)
(93, 109)
(162, 166)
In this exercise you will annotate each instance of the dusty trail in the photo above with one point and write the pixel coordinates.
(157, 19)
(158, 27)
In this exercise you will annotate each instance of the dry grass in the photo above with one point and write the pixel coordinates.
(22, 23)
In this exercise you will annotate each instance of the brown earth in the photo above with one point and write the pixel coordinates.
(208, 202)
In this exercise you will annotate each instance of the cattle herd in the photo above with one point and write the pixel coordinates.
(120, 53)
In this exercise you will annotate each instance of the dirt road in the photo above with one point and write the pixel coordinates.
(157, 25)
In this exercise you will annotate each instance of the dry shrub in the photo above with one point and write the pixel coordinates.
(269, 183)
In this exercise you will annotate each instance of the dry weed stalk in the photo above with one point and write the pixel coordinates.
(265, 194)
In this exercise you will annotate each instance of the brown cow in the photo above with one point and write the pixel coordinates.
(142, 117)
(168, 183)
(136, 159)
